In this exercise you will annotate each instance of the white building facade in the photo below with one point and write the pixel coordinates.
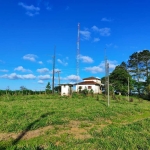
(66, 89)
(91, 83)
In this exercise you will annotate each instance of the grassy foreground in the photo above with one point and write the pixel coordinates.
(49, 122)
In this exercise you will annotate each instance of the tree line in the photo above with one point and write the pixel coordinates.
(135, 74)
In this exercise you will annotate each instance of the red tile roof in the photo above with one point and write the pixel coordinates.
(88, 83)
(90, 78)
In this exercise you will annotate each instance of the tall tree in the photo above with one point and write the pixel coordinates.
(139, 67)
(145, 63)
(119, 79)
(133, 65)
(48, 88)
(22, 88)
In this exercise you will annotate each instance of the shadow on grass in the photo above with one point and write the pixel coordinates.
(28, 128)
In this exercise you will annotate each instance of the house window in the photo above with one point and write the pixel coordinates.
(89, 87)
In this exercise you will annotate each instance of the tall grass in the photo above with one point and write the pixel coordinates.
(122, 125)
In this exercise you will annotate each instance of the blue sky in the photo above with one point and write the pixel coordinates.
(29, 30)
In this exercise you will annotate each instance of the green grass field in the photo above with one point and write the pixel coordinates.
(51, 122)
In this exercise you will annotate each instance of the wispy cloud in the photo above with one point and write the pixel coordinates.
(105, 19)
(111, 45)
(43, 70)
(30, 57)
(31, 14)
(20, 68)
(31, 10)
(40, 81)
(14, 76)
(94, 69)
(3, 70)
(40, 62)
(72, 78)
(85, 34)
(96, 40)
(62, 62)
(101, 67)
(44, 77)
(112, 64)
(86, 59)
(102, 31)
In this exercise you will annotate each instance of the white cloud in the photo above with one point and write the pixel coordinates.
(40, 81)
(14, 76)
(85, 35)
(31, 7)
(3, 70)
(94, 69)
(102, 31)
(40, 62)
(28, 76)
(86, 59)
(101, 67)
(95, 28)
(30, 57)
(44, 77)
(31, 10)
(56, 70)
(62, 62)
(105, 19)
(43, 70)
(73, 78)
(20, 68)
(96, 40)
(112, 64)
(31, 14)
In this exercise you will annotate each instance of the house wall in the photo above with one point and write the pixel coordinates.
(95, 88)
(65, 90)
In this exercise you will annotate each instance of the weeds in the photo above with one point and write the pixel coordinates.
(123, 125)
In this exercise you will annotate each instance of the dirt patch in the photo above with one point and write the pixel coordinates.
(73, 128)
(25, 135)
(77, 133)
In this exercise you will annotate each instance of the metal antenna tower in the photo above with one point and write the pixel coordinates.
(53, 71)
(105, 73)
(78, 51)
(108, 82)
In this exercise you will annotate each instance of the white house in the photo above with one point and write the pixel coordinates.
(66, 89)
(89, 83)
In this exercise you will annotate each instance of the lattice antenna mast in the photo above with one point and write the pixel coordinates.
(78, 51)
(53, 71)
(106, 73)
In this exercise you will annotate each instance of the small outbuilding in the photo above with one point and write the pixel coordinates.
(66, 89)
